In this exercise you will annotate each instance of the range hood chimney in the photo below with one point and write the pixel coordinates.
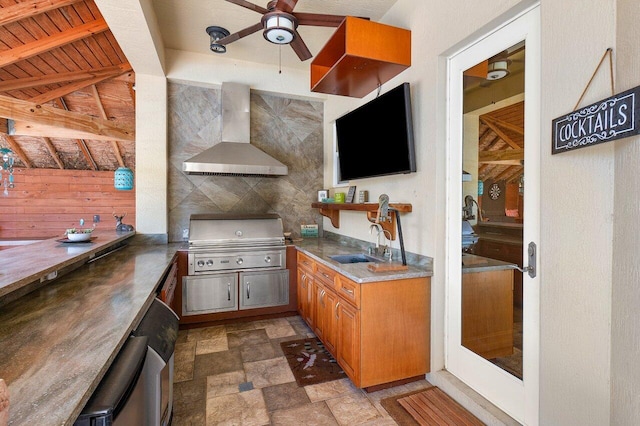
(234, 155)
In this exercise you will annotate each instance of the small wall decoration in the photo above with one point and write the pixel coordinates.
(613, 118)
(494, 191)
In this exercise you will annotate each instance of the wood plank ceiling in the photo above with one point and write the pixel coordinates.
(501, 144)
(67, 97)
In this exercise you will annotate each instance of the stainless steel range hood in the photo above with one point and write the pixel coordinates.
(234, 155)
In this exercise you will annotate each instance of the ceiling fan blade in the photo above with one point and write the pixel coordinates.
(249, 5)
(242, 33)
(300, 47)
(286, 5)
(320, 20)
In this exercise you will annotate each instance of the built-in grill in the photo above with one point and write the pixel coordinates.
(235, 262)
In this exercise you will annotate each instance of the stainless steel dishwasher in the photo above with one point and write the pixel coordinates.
(119, 399)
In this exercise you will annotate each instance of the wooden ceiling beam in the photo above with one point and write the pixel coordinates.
(505, 125)
(37, 47)
(515, 176)
(83, 126)
(53, 152)
(67, 89)
(30, 8)
(501, 155)
(499, 132)
(13, 146)
(507, 172)
(30, 82)
(80, 142)
(114, 144)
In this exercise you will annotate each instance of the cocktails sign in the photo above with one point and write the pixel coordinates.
(613, 118)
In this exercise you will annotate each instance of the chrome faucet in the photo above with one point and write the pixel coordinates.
(386, 251)
(378, 229)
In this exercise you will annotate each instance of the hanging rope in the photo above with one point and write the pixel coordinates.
(609, 52)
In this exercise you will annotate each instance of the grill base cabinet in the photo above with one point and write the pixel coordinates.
(378, 332)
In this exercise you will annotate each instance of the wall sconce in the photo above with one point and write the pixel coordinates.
(216, 33)
(123, 179)
(279, 27)
(7, 170)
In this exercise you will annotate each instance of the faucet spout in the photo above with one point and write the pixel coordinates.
(378, 229)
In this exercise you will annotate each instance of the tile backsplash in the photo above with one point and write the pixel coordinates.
(290, 130)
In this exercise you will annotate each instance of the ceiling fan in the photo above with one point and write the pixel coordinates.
(279, 23)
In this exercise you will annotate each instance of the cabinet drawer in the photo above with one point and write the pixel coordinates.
(348, 290)
(325, 275)
(305, 262)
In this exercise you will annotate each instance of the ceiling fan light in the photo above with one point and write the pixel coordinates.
(279, 29)
(497, 70)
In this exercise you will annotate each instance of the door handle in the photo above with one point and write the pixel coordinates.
(248, 290)
(531, 269)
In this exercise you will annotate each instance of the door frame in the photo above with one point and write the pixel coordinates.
(518, 398)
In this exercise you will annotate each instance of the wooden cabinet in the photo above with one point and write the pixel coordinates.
(169, 283)
(360, 56)
(487, 312)
(502, 242)
(305, 294)
(378, 332)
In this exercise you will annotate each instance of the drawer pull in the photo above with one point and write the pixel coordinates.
(337, 314)
(326, 275)
(248, 290)
(228, 291)
(348, 290)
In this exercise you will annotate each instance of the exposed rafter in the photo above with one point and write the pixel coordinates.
(82, 145)
(53, 152)
(40, 120)
(13, 146)
(114, 144)
(499, 132)
(37, 47)
(30, 82)
(30, 8)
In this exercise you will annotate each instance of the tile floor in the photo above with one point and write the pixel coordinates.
(236, 374)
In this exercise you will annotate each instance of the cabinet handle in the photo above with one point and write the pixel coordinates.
(228, 291)
(337, 314)
(347, 290)
(325, 275)
(248, 290)
(322, 297)
(303, 280)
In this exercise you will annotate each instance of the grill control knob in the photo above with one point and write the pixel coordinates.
(239, 261)
(200, 263)
(267, 259)
(209, 262)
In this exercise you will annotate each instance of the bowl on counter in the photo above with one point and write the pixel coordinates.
(79, 237)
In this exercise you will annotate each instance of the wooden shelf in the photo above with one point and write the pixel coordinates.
(360, 56)
(332, 211)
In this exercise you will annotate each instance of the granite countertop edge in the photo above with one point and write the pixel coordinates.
(322, 249)
(51, 373)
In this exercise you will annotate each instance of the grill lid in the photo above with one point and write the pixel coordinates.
(235, 230)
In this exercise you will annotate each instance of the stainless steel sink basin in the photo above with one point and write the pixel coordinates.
(353, 258)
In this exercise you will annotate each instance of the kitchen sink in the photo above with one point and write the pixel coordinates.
(353, 258)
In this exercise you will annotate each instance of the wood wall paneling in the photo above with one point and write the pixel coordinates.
(45, 202)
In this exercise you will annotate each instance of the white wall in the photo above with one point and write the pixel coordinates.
(576, 221)
(625, 333)
(578, 374)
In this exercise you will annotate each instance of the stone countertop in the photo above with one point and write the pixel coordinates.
(321, 249)
(472, 263)
(24, 264)
(58, 341)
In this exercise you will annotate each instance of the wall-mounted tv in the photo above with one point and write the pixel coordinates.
(376, 139)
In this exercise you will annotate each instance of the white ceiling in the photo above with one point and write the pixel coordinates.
(182, 24)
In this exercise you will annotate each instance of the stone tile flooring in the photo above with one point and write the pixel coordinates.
(236, 374)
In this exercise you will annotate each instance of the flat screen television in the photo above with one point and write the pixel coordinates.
(376, 139)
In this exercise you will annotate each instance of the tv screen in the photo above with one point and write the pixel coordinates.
(376, 139)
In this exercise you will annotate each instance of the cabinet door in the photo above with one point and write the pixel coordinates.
(305, 295)
(348, 340)
(325, 320)
(263, 289)
(209, 293)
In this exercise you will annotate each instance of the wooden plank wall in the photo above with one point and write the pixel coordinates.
(45, 202)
